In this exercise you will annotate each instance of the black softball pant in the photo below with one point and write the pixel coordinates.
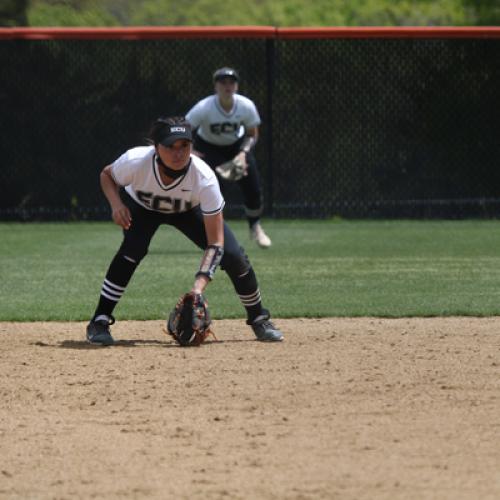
(137, 238)
(135, 246)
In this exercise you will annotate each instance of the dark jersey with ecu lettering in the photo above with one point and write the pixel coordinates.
(137, 171)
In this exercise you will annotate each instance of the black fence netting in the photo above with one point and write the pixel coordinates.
(351, 127)
(387, 128)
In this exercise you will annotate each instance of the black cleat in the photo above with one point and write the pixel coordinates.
(265, 330)
(98, 332)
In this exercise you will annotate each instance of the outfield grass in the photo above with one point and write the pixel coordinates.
(54, 271)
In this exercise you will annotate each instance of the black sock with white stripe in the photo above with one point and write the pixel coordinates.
(248, 291)
(119, 273)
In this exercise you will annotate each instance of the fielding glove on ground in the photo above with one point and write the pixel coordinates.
(189, 322)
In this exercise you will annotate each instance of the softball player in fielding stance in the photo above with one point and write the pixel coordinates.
(166, 184)
(227, 126)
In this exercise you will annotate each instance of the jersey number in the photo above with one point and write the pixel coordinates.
(164, 203)
(223, 128)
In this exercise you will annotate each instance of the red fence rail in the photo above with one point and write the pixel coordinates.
(186, 32)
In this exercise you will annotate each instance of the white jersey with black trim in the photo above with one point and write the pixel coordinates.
(219, 127)
(138, 171)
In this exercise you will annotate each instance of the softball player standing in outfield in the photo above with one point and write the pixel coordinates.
(227, 126)
(165, 184)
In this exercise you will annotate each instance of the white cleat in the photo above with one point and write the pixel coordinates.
(257, 234)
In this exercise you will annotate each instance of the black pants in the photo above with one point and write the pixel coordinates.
(145, 223)
(135, 246)
(249, 185)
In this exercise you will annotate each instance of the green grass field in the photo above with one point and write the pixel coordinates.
(54, 271)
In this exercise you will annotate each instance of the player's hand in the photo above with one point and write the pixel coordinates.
(121, 216)
(200, 284)
(241, 157)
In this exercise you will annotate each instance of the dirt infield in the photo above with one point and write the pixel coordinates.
(342, 409)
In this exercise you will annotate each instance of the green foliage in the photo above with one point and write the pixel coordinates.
(13, 13)
(314, 268)
(76, 13)
(405, 13)
(483, 12)
(263, 12)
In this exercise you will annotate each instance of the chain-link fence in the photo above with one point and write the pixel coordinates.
(351, 127)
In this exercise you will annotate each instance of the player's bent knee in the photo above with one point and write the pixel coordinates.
(236, 263)
(133, 255)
